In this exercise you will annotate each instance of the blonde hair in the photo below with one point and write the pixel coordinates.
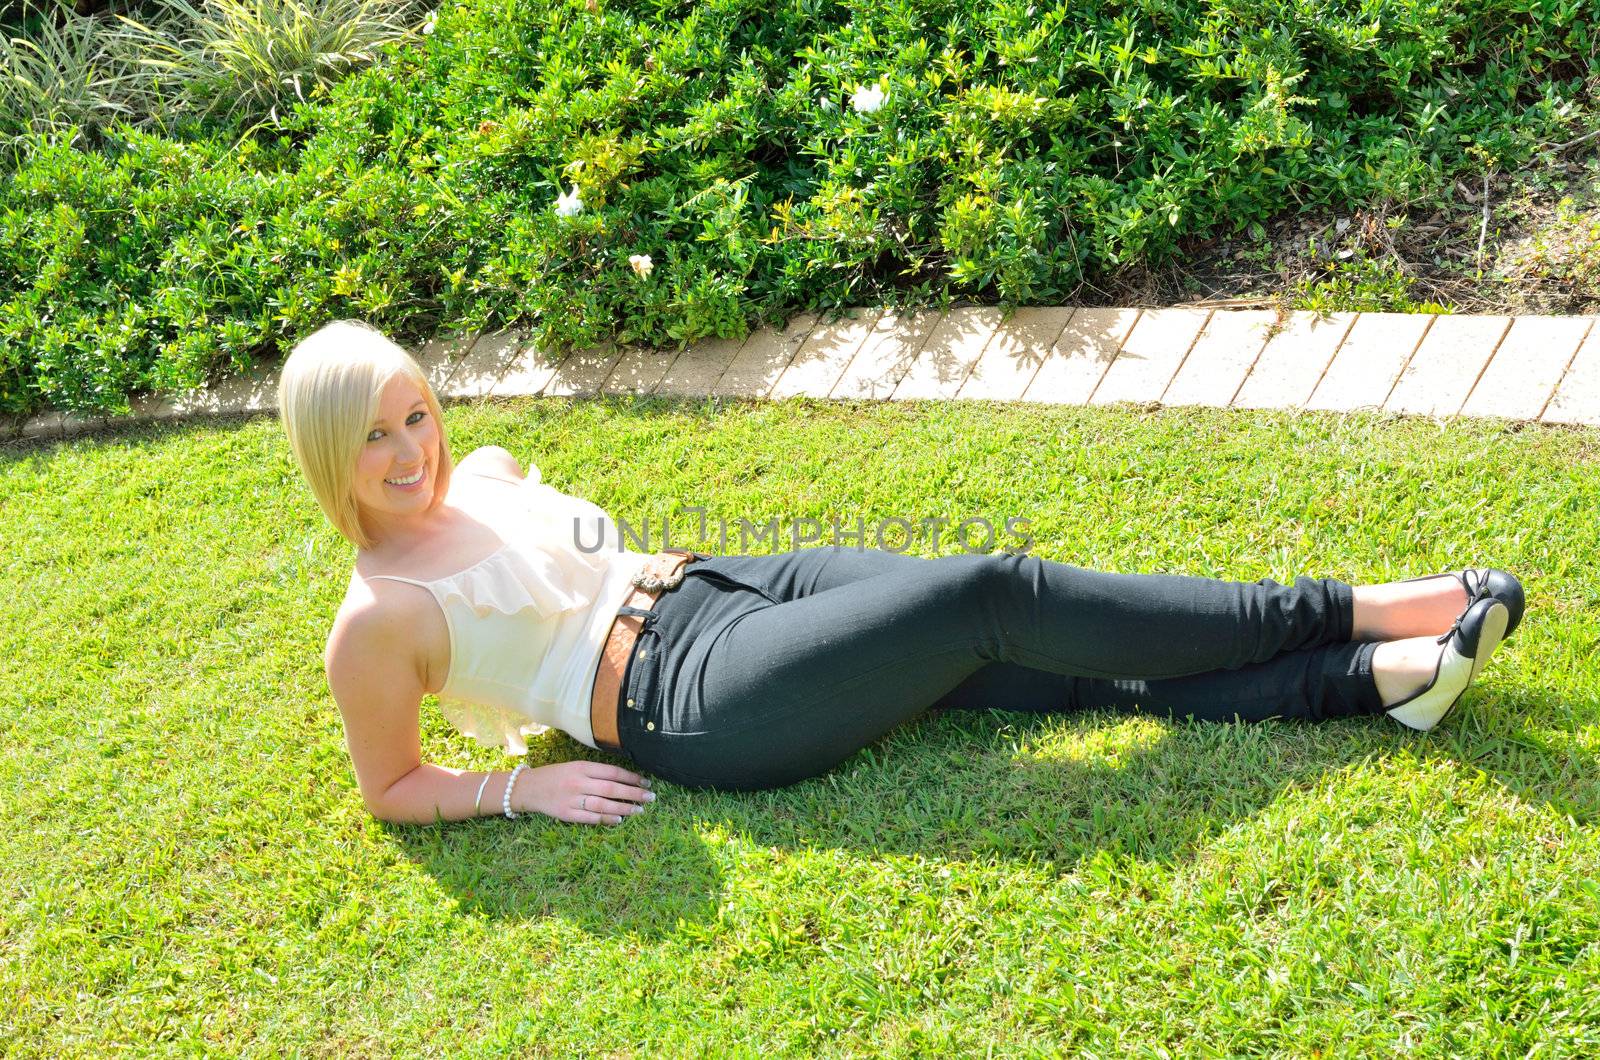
(328, 396)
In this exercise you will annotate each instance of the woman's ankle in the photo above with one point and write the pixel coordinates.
(1402, 668)
(1397, 610)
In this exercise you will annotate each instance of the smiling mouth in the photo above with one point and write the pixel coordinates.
(411, 481)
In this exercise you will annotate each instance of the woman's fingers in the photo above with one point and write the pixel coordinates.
(592, 809)
(611, 807)
(613, 790)
(601, 771)
(608, 794)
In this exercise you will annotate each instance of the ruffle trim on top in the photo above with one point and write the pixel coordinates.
(491, 726)
(540, 566)
(523, 576)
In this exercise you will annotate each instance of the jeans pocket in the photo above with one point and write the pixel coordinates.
(735, 580)
(641, 680)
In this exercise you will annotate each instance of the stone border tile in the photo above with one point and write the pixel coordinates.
(949, 354)
(440, 357)
(255, 391)
(1577, 396)
(79, 423)
(1293, 361)
(1522, 375)
(1439, 365)
(485, 362)
(1013, 356)
(1086, 349)
(1369, 361)
(582, 372)
(156, 407)
(639, 370)
(763, 357)
(824, 355)
(698, 367)
(1221, 359)
(527, 372)
(42, 425)
(1151, 355)
(887, 354)
(1446, 366)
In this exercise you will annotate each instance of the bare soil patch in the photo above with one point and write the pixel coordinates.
(1519, 243)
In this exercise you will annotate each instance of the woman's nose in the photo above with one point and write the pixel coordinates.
(408, 452)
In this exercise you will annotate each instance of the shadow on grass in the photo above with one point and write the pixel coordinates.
(124, 434)
(957, 786)
(1542, 766)
(1049, 790)
(986, 787)
(637, 879)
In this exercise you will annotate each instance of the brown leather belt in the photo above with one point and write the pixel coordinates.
(660, 572)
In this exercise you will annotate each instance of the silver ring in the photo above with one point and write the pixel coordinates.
(584, 805)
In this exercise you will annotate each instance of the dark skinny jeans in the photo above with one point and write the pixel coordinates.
(760, 671)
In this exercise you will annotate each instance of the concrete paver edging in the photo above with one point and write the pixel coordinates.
(1526, 368)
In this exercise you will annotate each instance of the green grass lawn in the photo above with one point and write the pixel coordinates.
(187, 866)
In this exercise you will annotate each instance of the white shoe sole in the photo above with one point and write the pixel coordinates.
(1494, 631)
(1454, 674)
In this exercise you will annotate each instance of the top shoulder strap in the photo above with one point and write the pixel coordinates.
(397, 578)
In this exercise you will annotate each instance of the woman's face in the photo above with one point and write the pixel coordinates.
(398, 465)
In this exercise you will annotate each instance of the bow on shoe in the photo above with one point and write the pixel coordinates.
(1477, 588)
(1479, 582)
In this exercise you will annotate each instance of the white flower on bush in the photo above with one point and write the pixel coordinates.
(641, 263)
(867, 98)
(427, 27)
(569, 205)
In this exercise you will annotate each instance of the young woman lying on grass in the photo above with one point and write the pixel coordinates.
(473, 582)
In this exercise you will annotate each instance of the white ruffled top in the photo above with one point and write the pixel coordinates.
(527, 623)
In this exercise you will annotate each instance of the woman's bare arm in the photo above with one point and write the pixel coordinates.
(378, 682)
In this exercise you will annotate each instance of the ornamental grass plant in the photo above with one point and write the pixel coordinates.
(56, 70)
(244, 60)
(155, 63)
(508, 167)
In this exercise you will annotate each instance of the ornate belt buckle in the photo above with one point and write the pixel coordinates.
(651, 582)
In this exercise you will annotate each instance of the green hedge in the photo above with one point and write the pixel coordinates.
(1018, 150)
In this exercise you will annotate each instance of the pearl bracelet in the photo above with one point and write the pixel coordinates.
(505, 801)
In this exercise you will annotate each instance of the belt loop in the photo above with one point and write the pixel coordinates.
(638, 612)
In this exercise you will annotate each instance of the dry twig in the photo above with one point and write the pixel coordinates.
(1574, 143)
(1483, 229)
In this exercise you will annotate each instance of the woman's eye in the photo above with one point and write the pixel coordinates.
(415, 417)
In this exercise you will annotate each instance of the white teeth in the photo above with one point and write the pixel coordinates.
(405, 481)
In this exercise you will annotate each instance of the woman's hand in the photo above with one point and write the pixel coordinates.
(582, 792)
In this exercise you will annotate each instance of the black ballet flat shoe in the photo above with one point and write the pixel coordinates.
(1467, 646)
(1480, 582)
